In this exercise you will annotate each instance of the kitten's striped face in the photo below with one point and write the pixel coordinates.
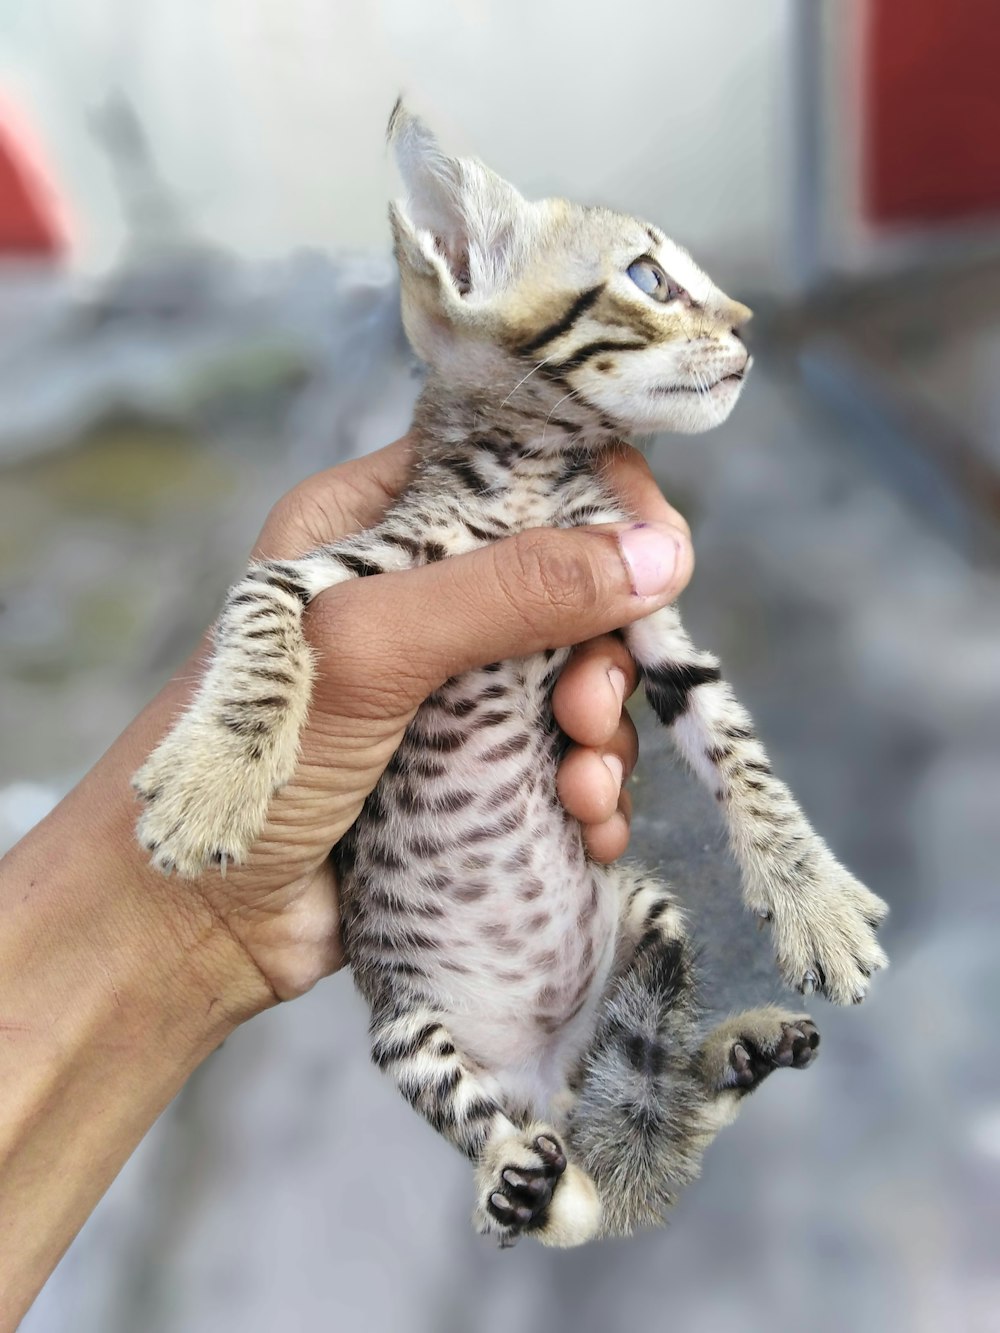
(642, 332)
(558, 302)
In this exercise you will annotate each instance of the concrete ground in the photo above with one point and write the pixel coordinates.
(289, 1187)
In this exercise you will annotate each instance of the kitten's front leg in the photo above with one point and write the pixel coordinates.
(824, 920)
(208, 784)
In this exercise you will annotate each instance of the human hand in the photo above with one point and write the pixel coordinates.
(382, 645)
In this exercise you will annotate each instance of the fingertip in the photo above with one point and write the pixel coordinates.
(658, 560)
(607, 841)
(588, 786)
(589, 696)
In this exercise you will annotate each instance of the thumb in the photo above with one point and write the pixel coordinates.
(385, 642)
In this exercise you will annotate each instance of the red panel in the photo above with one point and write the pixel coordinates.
(932, 99)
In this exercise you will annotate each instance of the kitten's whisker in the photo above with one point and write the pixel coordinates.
(526, 378)
(571, 394)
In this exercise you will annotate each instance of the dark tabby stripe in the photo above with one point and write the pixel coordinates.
(276, 677)
(583, 354)
(506, 749)
(579, 307)
(668, 687)
(480, 534)
(358, 565)
(244, 726)
(247, 598)
(286, 585)
(442, 741)
(467, 472)
(407, 544)
(389, 1052)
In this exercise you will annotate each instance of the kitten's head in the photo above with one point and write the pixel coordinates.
(554, 301)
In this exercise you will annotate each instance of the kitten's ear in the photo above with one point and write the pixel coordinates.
(458, 217)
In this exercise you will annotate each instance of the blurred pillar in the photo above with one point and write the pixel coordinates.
(806, 51)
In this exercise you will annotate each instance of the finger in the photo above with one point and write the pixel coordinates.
(591, 691)
(589, 782)
(606, 842)
(347, 498)
(390, 639)
(629, 476)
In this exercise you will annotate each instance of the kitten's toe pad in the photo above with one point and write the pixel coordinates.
(524, 1186)
(793, 1046)
(527, 1187)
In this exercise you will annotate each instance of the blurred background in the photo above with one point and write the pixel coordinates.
(197, 307)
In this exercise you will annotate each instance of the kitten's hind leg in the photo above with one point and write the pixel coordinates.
(649, 1095)
(524, 1185)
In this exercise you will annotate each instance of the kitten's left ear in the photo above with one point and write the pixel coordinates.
(463, 219)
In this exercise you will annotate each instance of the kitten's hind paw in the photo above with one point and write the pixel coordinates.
(741, 1052)
(525, 1186)
(792, 1046)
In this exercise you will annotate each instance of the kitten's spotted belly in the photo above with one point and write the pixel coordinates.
(470, 862)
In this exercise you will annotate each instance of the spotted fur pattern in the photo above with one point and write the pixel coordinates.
(539, 1010)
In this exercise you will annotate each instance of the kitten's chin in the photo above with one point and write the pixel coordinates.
(705, 410)
(684, 411)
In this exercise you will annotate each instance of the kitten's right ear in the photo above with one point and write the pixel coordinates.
(459, 220)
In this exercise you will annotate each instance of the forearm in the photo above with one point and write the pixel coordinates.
(114, 985)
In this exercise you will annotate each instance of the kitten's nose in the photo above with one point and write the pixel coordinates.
(736, 315)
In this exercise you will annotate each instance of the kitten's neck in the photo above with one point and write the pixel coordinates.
(538, 420)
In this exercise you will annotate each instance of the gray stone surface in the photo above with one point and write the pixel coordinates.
(290, 1188)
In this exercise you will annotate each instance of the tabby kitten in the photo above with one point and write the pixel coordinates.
(538, 1009)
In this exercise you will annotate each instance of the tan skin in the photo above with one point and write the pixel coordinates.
(115, 983)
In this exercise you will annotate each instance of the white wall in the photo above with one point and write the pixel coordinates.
(267, 115)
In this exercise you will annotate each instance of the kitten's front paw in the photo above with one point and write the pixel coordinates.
(204, 806)
(825, 937)
(526, 1187)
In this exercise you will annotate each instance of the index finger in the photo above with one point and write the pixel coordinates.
(630, 478)
(347, 498)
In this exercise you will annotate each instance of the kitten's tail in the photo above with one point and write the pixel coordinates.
(637, 1125)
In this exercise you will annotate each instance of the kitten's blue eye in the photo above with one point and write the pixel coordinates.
(651, 279)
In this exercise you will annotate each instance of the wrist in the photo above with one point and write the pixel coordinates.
(115, 984)
(122, 946)
(95, 960)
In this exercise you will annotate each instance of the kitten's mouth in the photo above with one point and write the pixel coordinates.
(724, 383)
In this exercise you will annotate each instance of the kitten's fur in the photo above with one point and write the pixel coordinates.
(536, 1008)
